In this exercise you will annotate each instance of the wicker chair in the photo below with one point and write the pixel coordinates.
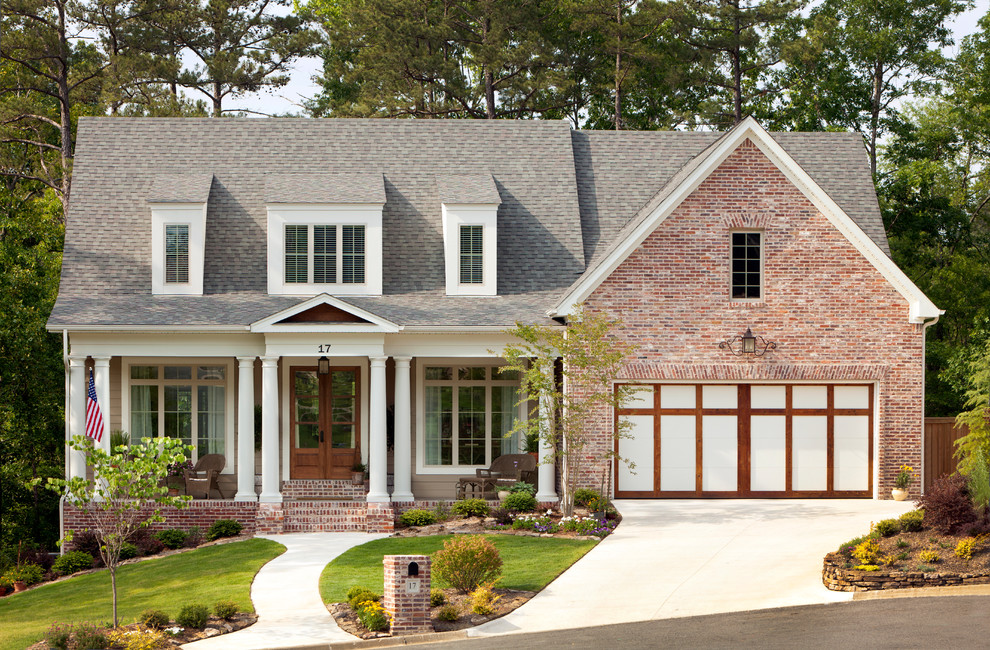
(204, 477)
(507, 468)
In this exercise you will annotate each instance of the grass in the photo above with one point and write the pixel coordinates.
(528, 563)
(203, 576)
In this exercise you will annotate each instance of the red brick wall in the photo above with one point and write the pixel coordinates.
(830, 311)
(199, 513)
(410, 611)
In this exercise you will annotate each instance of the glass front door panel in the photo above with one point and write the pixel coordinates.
(343, 426)
(306, 411)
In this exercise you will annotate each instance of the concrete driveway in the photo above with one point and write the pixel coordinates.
(672, 558)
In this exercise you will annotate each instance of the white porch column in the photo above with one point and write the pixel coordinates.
(101, 377)
(378, 445)
(77, 413)
(245, 430)
(269, 431)
(547, 488)
(402, 461)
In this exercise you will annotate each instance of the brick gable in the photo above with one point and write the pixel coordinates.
(832, 314)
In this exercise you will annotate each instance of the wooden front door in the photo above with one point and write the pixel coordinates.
(324, 422)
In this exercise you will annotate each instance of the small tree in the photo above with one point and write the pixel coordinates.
(973, 449)
(567, 422)
(128, 493)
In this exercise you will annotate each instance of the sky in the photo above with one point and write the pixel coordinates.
(289, 98)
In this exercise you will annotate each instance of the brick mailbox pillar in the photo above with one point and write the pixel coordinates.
(407, 593)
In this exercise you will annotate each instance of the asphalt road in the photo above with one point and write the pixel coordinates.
(944, 622)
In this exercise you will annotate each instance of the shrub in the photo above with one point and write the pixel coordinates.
(520, 502)
(483, 600)
(866, 551)
(146, 542)
(223, 528)
(417, 517)
(128, 551)
(911, 522)
(194, 616)
(148, 639)
(225, 609)
(890, 559)
(471, 508)
(947, 505)
(358, 596)
(583, 496)
(87, 635)
(441, 511)
(929, 556)
(902, 544)
(172, 538)
(501, 515)
(29, 574)
(73, 562)
(888, 527)
(86, 541)
(449, 613)
(58, 636)
(522, 486)
(194, 537)
(466, 562)
(437, 598)
(966, 547)
(28, 553)
(867, 567)
(924, 568)
(848, 547)
(373, 616)
(154, 618)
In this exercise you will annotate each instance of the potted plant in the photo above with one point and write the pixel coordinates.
(357, 473)
(176, 479)
(902, 482)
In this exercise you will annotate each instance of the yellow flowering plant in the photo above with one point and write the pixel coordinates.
(905, 477)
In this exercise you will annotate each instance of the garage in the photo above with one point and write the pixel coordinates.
(747, 440)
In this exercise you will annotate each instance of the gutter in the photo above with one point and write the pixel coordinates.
(924, 345)
(61, 499)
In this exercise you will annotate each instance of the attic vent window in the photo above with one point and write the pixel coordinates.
(177, 253)
(324, 254)
(472, 255)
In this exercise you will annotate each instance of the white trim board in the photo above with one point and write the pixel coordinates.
(920, 307)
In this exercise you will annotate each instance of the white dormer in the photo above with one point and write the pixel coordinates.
(325, 233)
(178, 233)
(469, 208)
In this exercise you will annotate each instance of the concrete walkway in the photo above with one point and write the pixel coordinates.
(690, 557)
(286, 595)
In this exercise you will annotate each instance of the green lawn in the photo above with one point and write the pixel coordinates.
(528, 563)
(203, 576)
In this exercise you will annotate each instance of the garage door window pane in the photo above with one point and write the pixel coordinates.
(768, 453)
(852, 397)
(852, 452)
(719, 397)
(810, 453)
(677, 397)
(638, 445)
(768, 397)
(810, 397)
(677, 452)
(719, 457)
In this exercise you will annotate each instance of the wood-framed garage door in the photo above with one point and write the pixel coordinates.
(748, 440)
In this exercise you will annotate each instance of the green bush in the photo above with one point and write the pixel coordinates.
(417, 517)
(911, 522)
(449, 613)
(128, 551)
(223, 528)
(29, 574)
(73, 562)
(520, 502)
(373, 616)
(225, 609)
(437, 597)
(156, 619)
(357, 596)
(583, 496)
(194, 537)
(194, 616)
(172, 538)
(466, 562)
(888, 527)
(87, 635)
(522, 486)
(58, 636)
(441, 511)
(471, 508)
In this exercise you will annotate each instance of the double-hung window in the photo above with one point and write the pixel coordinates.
(472, 254)
(469, 410)
(324, 254)
(187, 402)
(176, 253)
(747, 266)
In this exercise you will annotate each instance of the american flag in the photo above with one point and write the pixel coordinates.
(94, 419)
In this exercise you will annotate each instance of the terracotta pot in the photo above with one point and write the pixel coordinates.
(19, 585)
(899, 494)
(502, 494)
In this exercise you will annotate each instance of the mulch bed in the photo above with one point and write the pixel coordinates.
(944, 545)
(482, 526)
(509, 600)
(214, 627)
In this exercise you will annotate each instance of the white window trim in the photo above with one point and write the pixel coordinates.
(420, 452)
(229, 397)
(368, 215)
(763, 257)
(454, 216)
(182, 214)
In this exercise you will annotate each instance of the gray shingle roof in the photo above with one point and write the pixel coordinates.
(325, 188)
(564, 196)
(180, 188)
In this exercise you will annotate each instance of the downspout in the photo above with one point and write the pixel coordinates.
(924, 347)
(61, 499)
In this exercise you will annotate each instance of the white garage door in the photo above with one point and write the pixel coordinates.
(748, 440)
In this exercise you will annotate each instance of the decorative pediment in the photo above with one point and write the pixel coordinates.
(324, 313)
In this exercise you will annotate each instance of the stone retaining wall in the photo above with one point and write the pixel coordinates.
(837, 578)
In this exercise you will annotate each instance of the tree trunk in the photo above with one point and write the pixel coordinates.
(737, 109)
(64, 109)
(618, 66)
(217, 100)
(488, 75)
(113, 589)
(875, 114)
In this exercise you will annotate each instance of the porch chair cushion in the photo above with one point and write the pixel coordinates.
(204, 476)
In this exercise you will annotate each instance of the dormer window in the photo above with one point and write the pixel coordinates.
(177, 253)
(178, 233)
(324, 254)
(469, 208)
(472, 254)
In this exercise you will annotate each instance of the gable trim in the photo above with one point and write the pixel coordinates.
(374, 323)
(920, 307)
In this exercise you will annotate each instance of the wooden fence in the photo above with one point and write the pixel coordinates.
(940, 434)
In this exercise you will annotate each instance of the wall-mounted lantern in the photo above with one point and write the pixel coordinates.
(323, 366)
(747, 344)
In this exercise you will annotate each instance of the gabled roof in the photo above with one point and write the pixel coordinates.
(467, 189)
(181, 188)
(693, 173)
(365, 321)
(324, 188)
